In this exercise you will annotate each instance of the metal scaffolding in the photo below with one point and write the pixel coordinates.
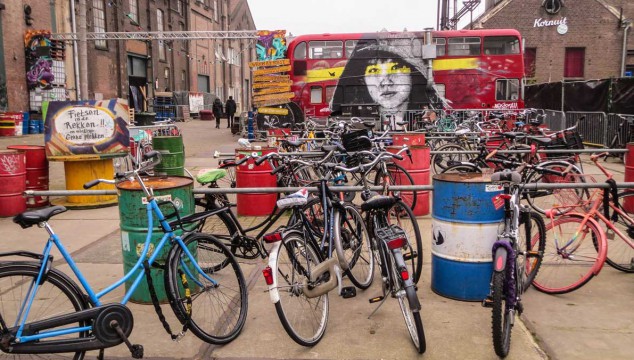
(160, 35)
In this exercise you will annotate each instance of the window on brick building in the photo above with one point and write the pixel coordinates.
(530, 59)
(160, 27)
(574, 62)
(134, 10)
(99, 21)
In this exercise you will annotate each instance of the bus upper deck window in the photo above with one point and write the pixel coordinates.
(440, 46)
(300, 51)
(325, 49)
(501, 45)
(464, 46)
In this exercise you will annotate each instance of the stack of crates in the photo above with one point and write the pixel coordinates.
(164, 106)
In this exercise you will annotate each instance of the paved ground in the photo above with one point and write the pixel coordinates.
(596, 321)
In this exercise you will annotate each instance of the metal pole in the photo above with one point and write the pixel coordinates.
(73, 23)
(83, 53)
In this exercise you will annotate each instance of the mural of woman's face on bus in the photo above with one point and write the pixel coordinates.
(389, 82)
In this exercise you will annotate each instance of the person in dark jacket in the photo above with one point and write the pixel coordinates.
(216, 108)
(230, 108)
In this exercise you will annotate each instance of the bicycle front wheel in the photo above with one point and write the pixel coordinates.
(501, 323)
(397, 175)
(353, 247)
(55, 296)
(620, 253)
(303, 318)
(214, 310)
(573, 256)
(440, 161)
(544, 199)
(531, 244)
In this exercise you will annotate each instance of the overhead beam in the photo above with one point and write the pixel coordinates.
(160, 35)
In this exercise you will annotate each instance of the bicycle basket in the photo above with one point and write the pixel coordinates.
(573, 140)
(353, 141)
(568, 199)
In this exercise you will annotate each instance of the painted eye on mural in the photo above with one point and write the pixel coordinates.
(372, 70)
(399, 69)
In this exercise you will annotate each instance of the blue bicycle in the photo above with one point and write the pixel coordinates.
(43, 311)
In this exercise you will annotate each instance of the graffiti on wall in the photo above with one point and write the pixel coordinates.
(38, 59)
(271, 45)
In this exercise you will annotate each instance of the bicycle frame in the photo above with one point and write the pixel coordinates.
(94, 297)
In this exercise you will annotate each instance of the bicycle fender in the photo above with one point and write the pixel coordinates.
(273, 292)
(499, 259)
(604, 253)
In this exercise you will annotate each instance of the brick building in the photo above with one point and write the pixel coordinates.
(568, 40)
(132, 68)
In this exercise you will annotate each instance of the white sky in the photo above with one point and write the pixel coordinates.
(344, 16)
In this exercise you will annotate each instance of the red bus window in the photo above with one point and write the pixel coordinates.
(530, 58)
(315, 95)
(463, 46)
(574, 62)
(300, 51)
(330, 91)
(352, 45)
(325, 49)
(507, 89)
(501, 45)
(440, 46)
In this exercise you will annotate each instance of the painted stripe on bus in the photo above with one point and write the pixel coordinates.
(455, 64)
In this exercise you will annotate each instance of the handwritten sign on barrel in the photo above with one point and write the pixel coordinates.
(86, 129)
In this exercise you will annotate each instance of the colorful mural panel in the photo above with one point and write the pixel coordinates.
(271, 45)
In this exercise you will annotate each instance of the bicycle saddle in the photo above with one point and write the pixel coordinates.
(299, 198)
(369, 124)
(294, 144)
(205, 176)
(540, 140)
(506, 176)
(30, 218)
(514, 134)
(378, 202)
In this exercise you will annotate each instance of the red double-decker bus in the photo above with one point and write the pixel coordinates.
(473, 69)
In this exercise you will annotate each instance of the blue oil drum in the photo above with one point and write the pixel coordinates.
(465, 224)
(25, 123)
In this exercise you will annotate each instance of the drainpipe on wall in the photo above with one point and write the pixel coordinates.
(73, 23)
(627, 24)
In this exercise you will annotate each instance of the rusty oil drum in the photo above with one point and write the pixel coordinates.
(134, 225)
(249, 175)
(12, 182)
(465, 225)
(36, 173)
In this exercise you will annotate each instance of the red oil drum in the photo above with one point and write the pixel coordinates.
(408, 138)
(11, 123)
(418, 169)
(249, 175)
(628, 203)
(13, 182)
(36, 172)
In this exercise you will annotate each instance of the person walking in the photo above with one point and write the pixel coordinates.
(230, 108)
(216, 108)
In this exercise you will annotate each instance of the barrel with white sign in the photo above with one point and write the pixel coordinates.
(465, 221)
(134, 226)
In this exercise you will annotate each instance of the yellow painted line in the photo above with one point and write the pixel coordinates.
(324, 74)
(456, 64)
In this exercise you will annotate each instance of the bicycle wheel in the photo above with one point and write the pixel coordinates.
(440, 162)
(544, 199)
(531, 243)
(462, 168)
(501, 323)
(620, 253)
(403, 216)
(410, 308)
(573, 255)
(56, 296)
(397, 176)
(352, 243)
(216, 312)
(303, 318)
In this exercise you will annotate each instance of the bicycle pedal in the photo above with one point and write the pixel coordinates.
(348, 292)
(488, 302)
(137, 351)
(410, 255)
(376, 299)
(519, 307)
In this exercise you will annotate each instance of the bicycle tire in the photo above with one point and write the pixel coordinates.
(215, 320)
(560, 272)
(542, 200)
(56, 296)
(353, 247)
(462, 169)
(222, 227)
(439, 161)
(500, 323)
(620, 254)
(403, 216)
(398, 176)
(535, 230)
(295, 255)
(412, 318)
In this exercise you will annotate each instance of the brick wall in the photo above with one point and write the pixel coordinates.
(590, 25)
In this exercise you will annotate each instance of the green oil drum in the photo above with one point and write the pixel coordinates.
(172, 155)
(134, 225)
